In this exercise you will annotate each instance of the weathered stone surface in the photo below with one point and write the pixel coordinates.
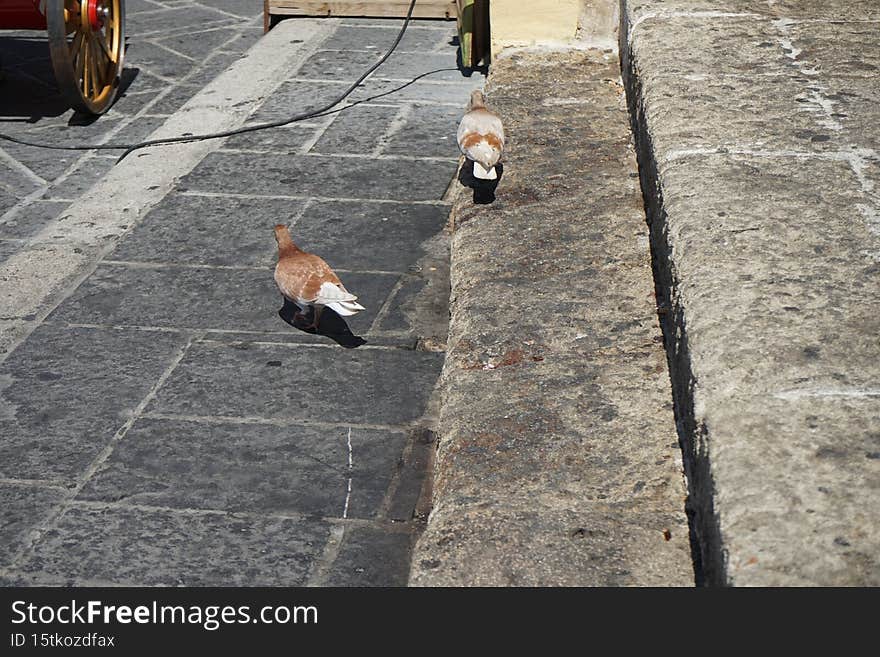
(371, 555)
(768, 269)
(217, 231)
(23, 507)
(427, 131)
(224, 299)
(256, 468)
(41, 115)
(141, 547)
(423, 90)
(235, 459)
(7, 248)
(375, 236)
(64, 393)
(343, 65)
(639, 10)
(497, 544)
(316, 175)
(558, 461)
(358, 130)
(288, 139)
(317, 382)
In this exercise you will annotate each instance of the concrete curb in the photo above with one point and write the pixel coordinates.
(766, 263)
(558, 463)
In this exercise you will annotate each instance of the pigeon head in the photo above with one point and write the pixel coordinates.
(282, 236)
(478, 99)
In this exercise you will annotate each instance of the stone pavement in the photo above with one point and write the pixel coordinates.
(757, 124)
(174, 49)
(163, 425)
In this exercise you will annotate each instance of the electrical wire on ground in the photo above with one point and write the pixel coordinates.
(325, 110)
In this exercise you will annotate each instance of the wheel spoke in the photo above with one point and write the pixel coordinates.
(78, 59)
(84, 65)
(76, 45)
(102, 42)
(95, 66)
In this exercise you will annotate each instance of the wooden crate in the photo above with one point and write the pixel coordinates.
(372, 8)
(472, 17)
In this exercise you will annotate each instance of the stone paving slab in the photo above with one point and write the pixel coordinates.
(31, 218)
(767, 272)
(358, 130)
(422, 91)
(155, 21)
(855, 10)
(403, 66)
(150, 547)
(777, 121)
(66, 393)
(298, 96)
(254, 468)
(329, 385)
(23, 506)
(218, 299)
(372, 555)
(426, 131)
(346, 65)
(206, 40)
(537, 546)
(378, 236)
(289, 139)
(267, 174)
(7, 249)
(219, 231)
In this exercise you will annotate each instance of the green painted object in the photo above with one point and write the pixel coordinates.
(473, 32)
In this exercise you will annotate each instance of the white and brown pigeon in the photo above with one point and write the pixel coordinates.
(481, 137)
(306, 280)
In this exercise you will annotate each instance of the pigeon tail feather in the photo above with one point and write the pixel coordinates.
(481, 173)
(330, 292)
(345, 308)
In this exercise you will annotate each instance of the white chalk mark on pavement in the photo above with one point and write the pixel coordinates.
(350, 467)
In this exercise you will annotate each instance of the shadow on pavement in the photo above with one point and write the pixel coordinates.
(331, 326)
(28, 90)
(484, 190)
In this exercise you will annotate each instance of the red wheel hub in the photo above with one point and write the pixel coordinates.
(95, 12)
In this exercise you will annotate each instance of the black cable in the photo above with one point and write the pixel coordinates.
(322, 111)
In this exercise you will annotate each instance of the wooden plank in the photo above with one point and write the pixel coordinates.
(376, 8)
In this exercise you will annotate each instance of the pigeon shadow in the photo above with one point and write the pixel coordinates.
(331, 325)
(484, 190)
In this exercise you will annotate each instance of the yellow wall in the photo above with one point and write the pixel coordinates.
(531, 22)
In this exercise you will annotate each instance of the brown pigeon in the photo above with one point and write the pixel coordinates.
(481, 137)
(306, 280)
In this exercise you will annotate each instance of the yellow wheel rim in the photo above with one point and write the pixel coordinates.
(87, 43)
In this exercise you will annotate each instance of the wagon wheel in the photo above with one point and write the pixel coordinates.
(87, 45)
